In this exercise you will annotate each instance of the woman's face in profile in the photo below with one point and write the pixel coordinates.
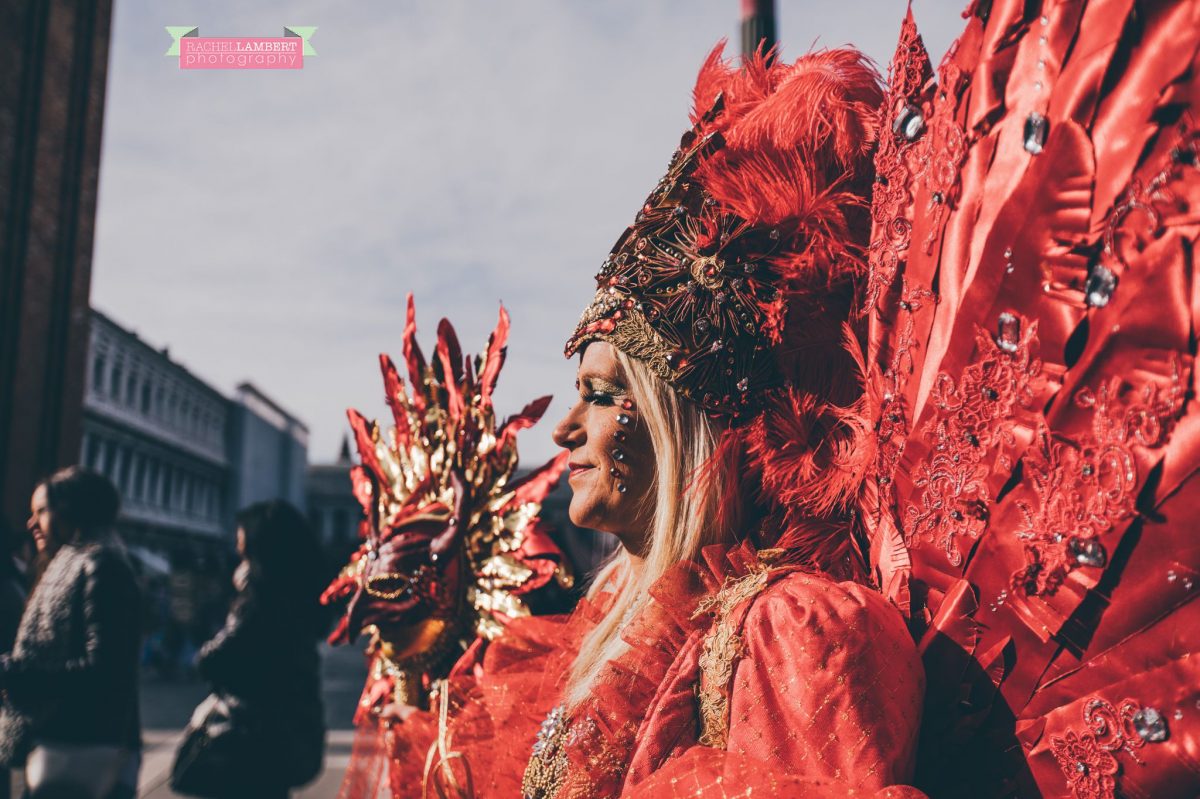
(41, 523)
(612, 460)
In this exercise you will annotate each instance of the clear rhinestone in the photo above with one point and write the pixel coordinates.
(1088, 552)
(1101, 283)
(743, 385)
(618, 455)
(1178, 714)
(909, 124)
(1036, 128)
(623, 418)
(621, 488)
(1172, 576)
(1008, 332)
(1150, 726)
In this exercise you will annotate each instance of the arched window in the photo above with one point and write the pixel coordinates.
(138, 490)
(153, 490)
(99, 363)
(110, 459)
(114, 381)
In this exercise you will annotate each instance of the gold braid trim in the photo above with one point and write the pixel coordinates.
(439, 769)
(547, 768)
(721, 648)
(634, 336)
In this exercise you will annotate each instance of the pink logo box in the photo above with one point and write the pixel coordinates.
(243, 52)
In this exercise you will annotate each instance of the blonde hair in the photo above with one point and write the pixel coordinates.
(685, 516)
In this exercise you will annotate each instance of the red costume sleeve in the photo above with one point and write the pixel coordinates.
(825, 701)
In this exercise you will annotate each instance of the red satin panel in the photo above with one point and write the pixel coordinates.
(1033, 347)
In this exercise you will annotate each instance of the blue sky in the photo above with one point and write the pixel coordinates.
(267, 225)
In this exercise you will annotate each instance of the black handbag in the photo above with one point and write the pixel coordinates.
(213, 757)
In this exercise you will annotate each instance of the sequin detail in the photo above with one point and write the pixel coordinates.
(1087, 758)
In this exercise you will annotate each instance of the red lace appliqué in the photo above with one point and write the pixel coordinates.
(935, 159)
(894, 411)
(1144, 196)
(970, 436)
(892, 233)
(1084, 490)
(1087, 758)
(1089, 769)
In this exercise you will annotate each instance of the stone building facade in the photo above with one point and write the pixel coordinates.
(183, 456)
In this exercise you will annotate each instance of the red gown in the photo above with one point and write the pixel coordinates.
(808, 687)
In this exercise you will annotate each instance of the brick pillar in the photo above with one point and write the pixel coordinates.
(53, 66)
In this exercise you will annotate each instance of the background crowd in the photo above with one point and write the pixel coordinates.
(70, 668)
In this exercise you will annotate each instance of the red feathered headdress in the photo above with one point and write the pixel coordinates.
(736, 283)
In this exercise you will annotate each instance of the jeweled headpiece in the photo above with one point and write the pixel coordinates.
(736, 264)
(737, 281)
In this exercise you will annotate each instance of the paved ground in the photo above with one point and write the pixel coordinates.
(166, 707)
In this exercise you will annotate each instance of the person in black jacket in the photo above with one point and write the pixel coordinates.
(70, 683)
(12, 605)
(265, 658)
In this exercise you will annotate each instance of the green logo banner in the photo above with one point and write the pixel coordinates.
(178, 32)
(304, 32)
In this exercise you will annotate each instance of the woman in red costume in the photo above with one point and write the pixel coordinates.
(733, 641)
(1010, 463)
